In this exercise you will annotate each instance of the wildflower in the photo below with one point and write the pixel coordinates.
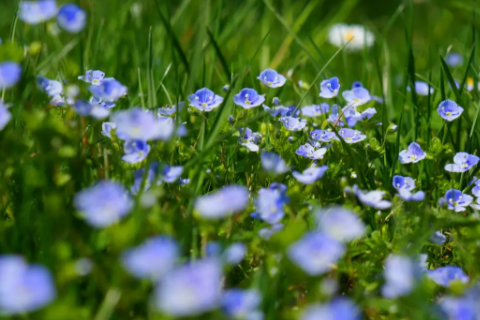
(356, 97)
(94, 77)
(276, 101)
(357, 84)
(170, 174)
(225, 88)
(138, 124)
(293, 124)
(35, 12)
(270, 205)
(50, 87)
(323, 135)
(463, 162)
(312, 111)
(412, 154)
(329, 88)
(241, 304)
(339, 223)
(339, 34)
(310, 175)
(71, 18)
(308, 151)
(24, 288)
(449, 110)
(248, 98)
(460, 308)
(335, 116)
(152, 259)
(250, 139)
(315, 253)
(107, 129)
(267, 233)
(103, 204)
(457, 200)
(421, 88)
(372, 199)
(191, 289)
(109, 90)
(166, 111)
(454, 59)
(205, 100)
(10, 73)
(135, 151)
(222, 203)
(438, 238)
(282, 111)
(273, 163)
(338, 309)
(271, 78)
(235, 253)
(5, 115)
(400, 276)
(351, 136)
(404, 186)
(443, 276)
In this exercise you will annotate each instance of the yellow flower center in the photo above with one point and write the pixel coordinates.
(448, 114)
(204, 104)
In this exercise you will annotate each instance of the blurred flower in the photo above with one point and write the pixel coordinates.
(454, 59)
(50, 87)
(273, 163)
(372, 199)
(170, 174)
(312, 111)
(308, 151)
(241, 304)
(223, 202)
(413, 154)
(282, 111)
(339, 34)
(71, 18)
(167, 111)
(266, 233)
(443, 276)
(449, 110)
(107, 129)
(5, 115)
(235, 253)
(356, 97)
(191, 289)
(205, 100)
(94, 108)
(109, 90)
(463, 162)
(152, 259)
(249, 139)
(335, 116)
(457, 200)
(310, 175)
(438, 238)
(213, 249)
(323, 135)
(293, 124)
(138, 124)
(83, 266)
(404, 186)
(421, 88)
(103, 204)
(93, 77)
(270, 205)
(338, 309)
(315, 253)
(329, 88)
(339, 223)
(248, 98)
(460, 308)
(24, 288)
(400, 276)
(135, 151)
(35, 12)
(351, 136)
(271, 78)
(276, 101)
(357, 84)
(10, 73)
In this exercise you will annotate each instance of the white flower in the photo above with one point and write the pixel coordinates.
(359, 37)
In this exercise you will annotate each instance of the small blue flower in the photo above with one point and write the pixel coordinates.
(282, 111)
(356, 97)
(412, 154)
(454, 59)
(357, 84)
(329, 88)
(152, 259)
(449, 110)
(222, 203)
(335, 116)
(438, 238)
(10, 73)
(323, 135)
(138, 176)
(404, 186)
(351, 136)
(235, 253)
(50, 87)
(241, 304)
(310, 175)
(109, 90)
(135, 151)
(273, 163)
(312, 111)
(460, 308)
(315, 253)
(24, 288)
(93, 77)
(457, 201)
(83, 108)
(5, 115)
(107, 128)
(476, 189)
(249, 139)
(276, 101)
(443, 276)
(352, 116)
(400, 276)
(213, 249)
(270, 205)
(166, 111)
(421, 88)
(372, 199)
(293, 124)
(340, 223)
(338, 309)
(248, 98)
(35, 12)
(308, 151)
(271, 78)
(138, 124)
(205, 100)
(103, 204)
(463, 162)
(171, 174)
(72, 18)
(267, 233)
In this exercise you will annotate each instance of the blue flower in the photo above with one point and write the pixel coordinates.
(152, 259)
(463, 162)
(400, 276)
(356, 97)
(315, 253)
(312, 111)
(205, 100)
(282, 111)
(293, 124)
(340, 223)
(166, 111)
(267, 233)
(109, 90)
(241, 304)
(329, 88)
(270, 205)
(338, 309)
(443, 276)
(351, 136)
(276, 101)
(103, 204)
(438, 238)
(310, 175)
(35, 12)
(248, 98)
(335, 116)
(372, 199)
(107, 128)
(454, 59)
(308, 151)
(357, 84)
(10, 73)
(24, 288)
(171, 174)
(213, 249)
(222, 203)
(457, 201)
(151, 176)
(95, 110)
(449, 110)
(135, 151)
(191, 289)
(323, 135)
(235, 253)
(460, 308)
(273, 163)
(72, 18)
(421, 88)
(404, 186)
(138, 124)
(50, 87)
(5, 115)
(249, 139)
(352, 116)
(271, 78)
(412, 154)
(93, 77)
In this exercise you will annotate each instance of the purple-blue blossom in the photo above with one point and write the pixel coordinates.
(372, 199)
(273, 163)
(271, 78)
(338, 309)
(356, 97)
(168, 111)
(404, 186)
(248, 98)
(10, 73)
(400, 276)
(449, 110)
(293, 124)
(323, 135)
(107, 128)
(310, 175)
(282, 111)
(234, 253)
(438, 238)
(454, 59)
(50, 87)
(339, 223)
(312, 111)
(462, 162)
(205, 100)
(139, 124)
(250, 139)
(72, 18)
(351, 136)
(421, 88)
(269, 205)
(308, 151)
(135, 151)
(35, 12)
(457, 200)
(5, 115)
(443, 276)
(109, 90)
(412, 154)
(241, 304)
(329, 88)
(94, 77)
(223, 202)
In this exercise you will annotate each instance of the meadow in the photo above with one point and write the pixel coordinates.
(254, 159)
